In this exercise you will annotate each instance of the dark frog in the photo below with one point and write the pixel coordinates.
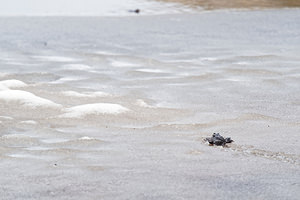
(218, 140)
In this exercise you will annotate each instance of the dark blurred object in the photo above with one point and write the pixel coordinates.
(137, 11)
(218, 140)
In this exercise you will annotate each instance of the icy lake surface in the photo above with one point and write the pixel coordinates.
(117, 107)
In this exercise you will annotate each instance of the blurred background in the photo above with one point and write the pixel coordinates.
(121, 7)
